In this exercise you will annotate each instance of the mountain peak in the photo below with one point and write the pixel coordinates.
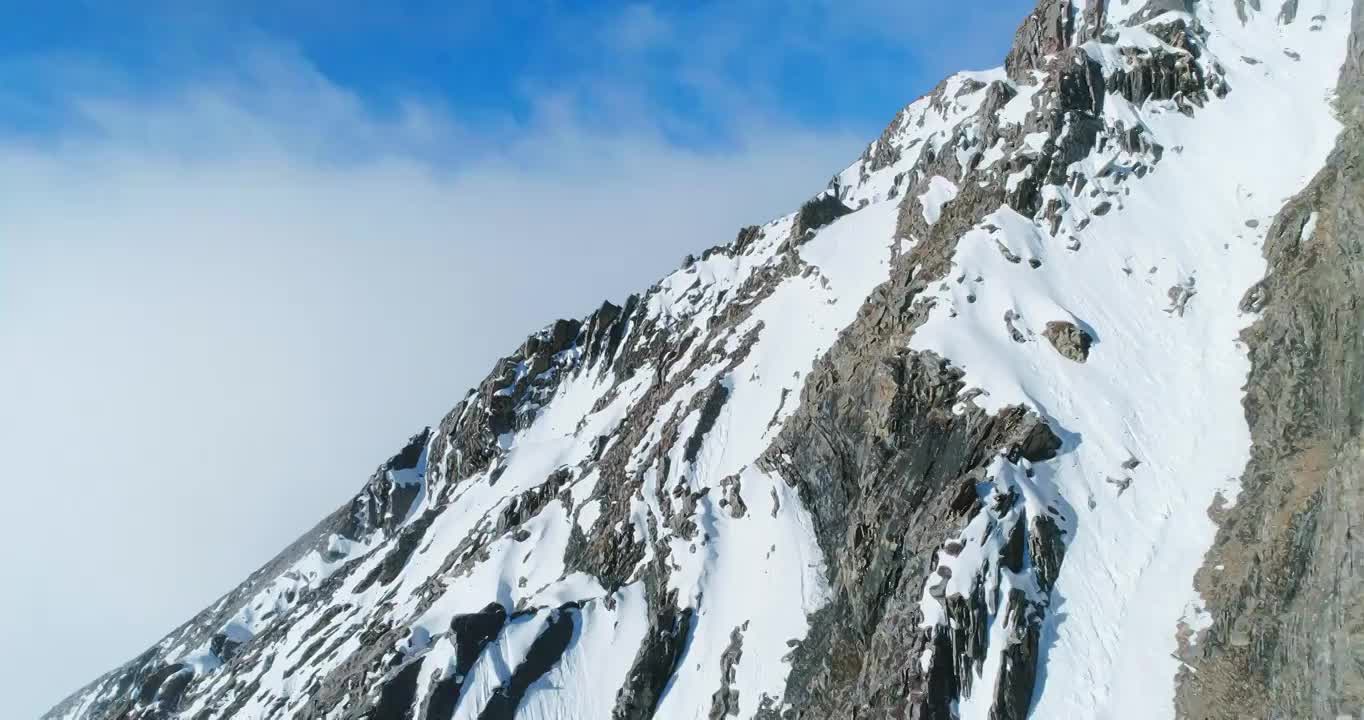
(940, 443)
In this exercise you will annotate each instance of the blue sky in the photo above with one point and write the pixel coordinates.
(248, 248)
(693, 72)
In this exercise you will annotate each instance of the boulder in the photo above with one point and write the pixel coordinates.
(1069, 340)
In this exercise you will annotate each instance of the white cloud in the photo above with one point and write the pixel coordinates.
(221, 307)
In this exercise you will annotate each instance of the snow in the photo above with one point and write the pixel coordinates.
(584, 682)
(1157, 386)
(494, 666)
(588, 514)
(1309, 228)
(793, 326)
(940, 191)
(1160, 386)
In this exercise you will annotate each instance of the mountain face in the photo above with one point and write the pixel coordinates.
(1049, 406)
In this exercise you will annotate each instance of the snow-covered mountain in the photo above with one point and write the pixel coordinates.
(1049, 406)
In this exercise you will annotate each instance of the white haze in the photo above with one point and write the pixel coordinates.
(221, 308)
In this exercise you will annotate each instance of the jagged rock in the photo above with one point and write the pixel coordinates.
(1160, 74)
(396, 559)
(1018, 660)
(715, 401)
(1092, 21)
(471, 634)
(1069, 340)
(1014, 333)
(165, 686)
(1077, 81)
(1155, 8)
(223, 647)
(725, 701)
(733, 499)
(384, 503)
(541, 657)
(1179, 297)
(835, 450)
(663, 646)
(1011, 556)
(822, 210)
(746, 237)
(1047, 549)
(529, 503)
(970, 625)
(1046, 30)
(398, 694)
(1008, 254)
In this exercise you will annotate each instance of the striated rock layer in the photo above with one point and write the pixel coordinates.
(941, 443)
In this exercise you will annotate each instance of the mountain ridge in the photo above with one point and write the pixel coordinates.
(828, 386)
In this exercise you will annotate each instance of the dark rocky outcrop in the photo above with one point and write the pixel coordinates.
(1018, 659)
(1048, 29)
(887, 469)
(398, 694)
(164, 687)
(543, 655)
(471, 634)
(715, 401)
(1164, 74)
(223, 647)
(511, 396)
(747, 235)
(384, 503)
(814, 214)
(725, 701)
(1068, 339)
(529, 503)
(396, 559)
(657, 658)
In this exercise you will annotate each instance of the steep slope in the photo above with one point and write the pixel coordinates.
(1283, 577)
(941, 443)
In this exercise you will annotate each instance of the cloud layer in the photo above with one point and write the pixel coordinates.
(220, 310)
(229, 290)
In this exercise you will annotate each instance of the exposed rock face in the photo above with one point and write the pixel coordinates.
(889, 471)
(1282, 581)
(386, 499)
(472, 633)
(1047, 30)
(725, 701)
(541, 657)
(817, 213)
(869, 479)
(772, 485)
(654, 664)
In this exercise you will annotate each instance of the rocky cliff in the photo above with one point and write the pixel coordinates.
(1284, 578)
(1048, 406)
